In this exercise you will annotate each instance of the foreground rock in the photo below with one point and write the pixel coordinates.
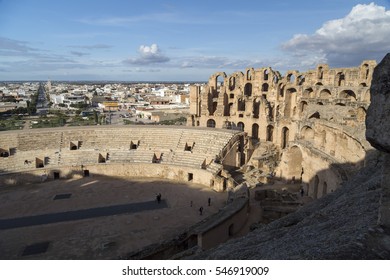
(378, 117)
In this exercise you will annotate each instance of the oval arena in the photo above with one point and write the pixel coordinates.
(75, 171)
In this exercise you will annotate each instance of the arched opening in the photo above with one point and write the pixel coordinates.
(289, 101)
(210, 123)
(307, 93)
(256, 108)
(320, 73)
(348, 94)
(232, 83)
(324, 188)
(240, 126)
(307, 133)
(249, 74)
(264, 87)
(303, 106)
(197, 123)
(361, 114)
(294, 164)
(220, 80)
(226, 108)
(285, 136)
(265, 74)
(325, 94)
(315, 115)
(290, 78)
(255, 131)
(270, 133)
(340, 79)
(248, 89)
(365, 70)
(281, 90)
(301, 80)
(241, 105)
(315, 186)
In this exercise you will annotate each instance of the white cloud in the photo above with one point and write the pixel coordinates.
(363, 34)
(148, 55)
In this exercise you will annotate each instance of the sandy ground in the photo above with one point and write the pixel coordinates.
(104, 237)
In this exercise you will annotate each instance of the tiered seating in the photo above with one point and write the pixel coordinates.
(79, 146)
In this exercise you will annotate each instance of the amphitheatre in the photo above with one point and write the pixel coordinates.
(287, 153)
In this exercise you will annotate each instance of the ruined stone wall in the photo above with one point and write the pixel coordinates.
(323, 109)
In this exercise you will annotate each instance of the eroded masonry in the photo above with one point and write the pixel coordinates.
(302, 127)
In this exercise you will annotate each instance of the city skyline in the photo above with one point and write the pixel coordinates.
(184, 41)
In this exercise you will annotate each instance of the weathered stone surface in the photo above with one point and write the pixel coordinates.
(377, 121)
(341, 225)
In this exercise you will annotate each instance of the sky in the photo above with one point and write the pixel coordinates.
(176, 40)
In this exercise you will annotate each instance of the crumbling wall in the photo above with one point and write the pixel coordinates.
(323, 109)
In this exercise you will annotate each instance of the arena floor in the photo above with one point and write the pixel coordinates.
(106, 236)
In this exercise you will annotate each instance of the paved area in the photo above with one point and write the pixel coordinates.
(102, 236)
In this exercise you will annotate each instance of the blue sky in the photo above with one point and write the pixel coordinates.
(184, 40)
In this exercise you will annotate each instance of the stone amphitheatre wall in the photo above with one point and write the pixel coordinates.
(314, 119)
(182, 154)
(195, 155)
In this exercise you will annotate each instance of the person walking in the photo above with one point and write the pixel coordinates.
(201, 210)
(209, 201)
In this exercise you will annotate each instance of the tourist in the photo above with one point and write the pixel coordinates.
(302, 191)
(209, 201)
(201, 210)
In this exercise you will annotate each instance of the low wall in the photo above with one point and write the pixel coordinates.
(145, 170)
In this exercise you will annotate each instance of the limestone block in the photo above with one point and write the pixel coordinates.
(378, 117)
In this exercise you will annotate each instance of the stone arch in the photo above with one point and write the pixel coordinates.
(307, 92)
(281, 90)
(249, 73)
(361, 114)
(301, 80)
(264, 87)
(347, 94)
(217, 77)
(307, 133)
(265, 75)
(210, 123)
(290, 78)
(270, 133)
(364, 71)
(241, 104)
(240, 126)
(248, 89)
(285, 137)
(226, 106)
(325, 94)
(255, 131)
(232, 82)
(289, 101)
(256, 108)
(340, 79)
(303, 106)
(294, 161)
(315, 115)
(320, 73)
